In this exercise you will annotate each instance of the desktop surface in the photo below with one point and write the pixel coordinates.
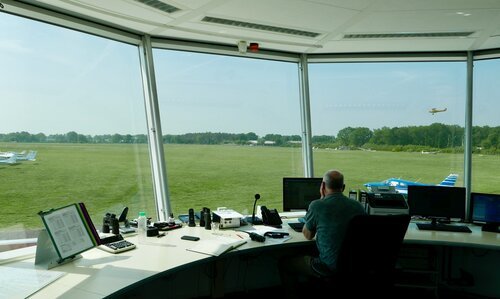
(95, 274)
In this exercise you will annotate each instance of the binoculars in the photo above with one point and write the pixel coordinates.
(110, 223)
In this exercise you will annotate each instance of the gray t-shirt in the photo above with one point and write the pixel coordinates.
(329, 218)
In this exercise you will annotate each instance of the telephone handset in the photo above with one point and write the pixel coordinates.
(271, 217)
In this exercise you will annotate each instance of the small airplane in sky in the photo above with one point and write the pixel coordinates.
(436, 110)
(401, 186)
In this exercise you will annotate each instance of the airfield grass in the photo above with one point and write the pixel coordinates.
(108, 177)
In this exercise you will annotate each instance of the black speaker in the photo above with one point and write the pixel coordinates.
(191, 218)
(202, 218)
(208, 219)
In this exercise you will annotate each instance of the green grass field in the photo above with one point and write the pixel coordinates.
(109, 177)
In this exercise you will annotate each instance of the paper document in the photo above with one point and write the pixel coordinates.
(22, 282)
(216, 247)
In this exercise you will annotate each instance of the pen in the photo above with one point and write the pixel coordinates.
(239, 236)
(161, 235)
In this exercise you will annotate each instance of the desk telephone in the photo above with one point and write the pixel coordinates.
(271, 217)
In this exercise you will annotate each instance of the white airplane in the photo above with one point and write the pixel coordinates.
(8, 158)
(436, 110)
(30, 156)
(14, 158)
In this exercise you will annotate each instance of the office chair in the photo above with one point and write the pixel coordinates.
(367, 256)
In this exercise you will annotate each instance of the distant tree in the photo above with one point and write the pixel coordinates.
(72, 137)
(343, 135)
(359, 136)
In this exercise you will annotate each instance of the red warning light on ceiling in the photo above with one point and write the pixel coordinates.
(253, 47)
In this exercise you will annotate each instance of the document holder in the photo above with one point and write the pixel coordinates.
(68, 232)
(46, 256)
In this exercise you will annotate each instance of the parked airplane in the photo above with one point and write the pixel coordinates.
(436, 110)
(401, 186)
(30, 156)
(6, 158)
(13, 157)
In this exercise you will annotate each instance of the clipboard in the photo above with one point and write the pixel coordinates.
(68, 232)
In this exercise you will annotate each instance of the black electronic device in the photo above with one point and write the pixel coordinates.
(254, 219)
(190, 238)
(296, 226)
(164, 225)
(271, 217)
(110, 223)
(255, 236)
(124, 223)
(437, 202)
(202, 218)
(123, 216)
(191, 221)
(276, 235)
(208, 218)
(485, 209)
(299, 192)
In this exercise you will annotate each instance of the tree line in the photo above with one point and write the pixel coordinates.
(436, 136)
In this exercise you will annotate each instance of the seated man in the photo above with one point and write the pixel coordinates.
(326, 220)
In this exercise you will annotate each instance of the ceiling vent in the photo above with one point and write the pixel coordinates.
(407, 35)
(256, 26)
(156, 4)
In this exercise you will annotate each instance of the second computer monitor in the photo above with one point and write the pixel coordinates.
(299, 192)
(485, 208)
(437, 201)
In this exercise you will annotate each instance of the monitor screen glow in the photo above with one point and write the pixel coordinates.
(485, 207)
(299, 192)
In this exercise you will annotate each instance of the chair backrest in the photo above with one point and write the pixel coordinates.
(371, 246)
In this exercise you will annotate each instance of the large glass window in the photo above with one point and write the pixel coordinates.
(376, 121)
(231, 127)
(486, 127)
(76, 101)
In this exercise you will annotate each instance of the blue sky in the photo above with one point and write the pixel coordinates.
(55, 80)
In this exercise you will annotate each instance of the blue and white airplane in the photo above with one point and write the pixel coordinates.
(401, 186)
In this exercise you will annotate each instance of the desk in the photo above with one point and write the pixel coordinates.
(476, 239)
(98, 273)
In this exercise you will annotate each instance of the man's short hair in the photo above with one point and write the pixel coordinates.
(334, 180)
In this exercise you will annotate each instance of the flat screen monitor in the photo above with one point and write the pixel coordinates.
(299, 192)
(485, 208)
(436, 201)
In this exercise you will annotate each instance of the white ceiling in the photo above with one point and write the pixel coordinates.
(331, 19)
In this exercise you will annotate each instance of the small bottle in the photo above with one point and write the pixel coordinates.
(142, 223)
(171, 219)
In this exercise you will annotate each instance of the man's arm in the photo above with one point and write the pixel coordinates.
(309, 235)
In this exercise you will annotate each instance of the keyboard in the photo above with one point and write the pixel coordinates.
(444, 227)
(296, 226)
(117, 246)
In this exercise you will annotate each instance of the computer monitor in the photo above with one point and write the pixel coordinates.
(485, 208)
(299, 192)
(437, 202)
